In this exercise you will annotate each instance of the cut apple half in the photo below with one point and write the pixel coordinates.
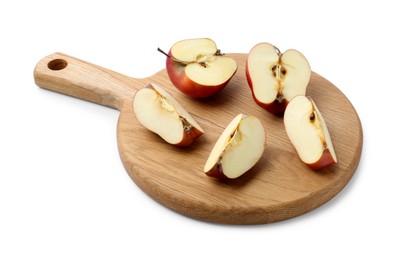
(275, 78)
(238, 149)
(198, 68)
(307, 131)
(161, 113)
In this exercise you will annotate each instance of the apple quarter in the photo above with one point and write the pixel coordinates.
(161, 113)
(307, 131)
(238, 149)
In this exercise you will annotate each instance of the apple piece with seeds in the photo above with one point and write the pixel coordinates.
(162, 114)
(238, 149)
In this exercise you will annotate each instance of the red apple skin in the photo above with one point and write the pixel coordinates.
(176, 73)
(189, 137)
(217, 172)
(324, 161)
(276, 108)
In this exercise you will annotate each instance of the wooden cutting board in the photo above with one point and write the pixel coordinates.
(279, 187)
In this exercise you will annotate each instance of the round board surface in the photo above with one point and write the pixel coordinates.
(280, 186)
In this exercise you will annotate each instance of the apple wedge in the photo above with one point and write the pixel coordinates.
(160, 113)
(197, 68)
(275, 78)
(238, 149)
(308, 133)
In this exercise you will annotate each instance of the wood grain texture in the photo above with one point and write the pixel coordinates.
(77, 78)
(279, 187)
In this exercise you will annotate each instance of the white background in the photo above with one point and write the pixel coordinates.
(64, 193)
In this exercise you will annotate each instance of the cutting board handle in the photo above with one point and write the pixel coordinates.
(71, 76)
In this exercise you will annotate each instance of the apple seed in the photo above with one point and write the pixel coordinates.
(312, 116)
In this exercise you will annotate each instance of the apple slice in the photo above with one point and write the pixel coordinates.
(276, 78)
(308, 133)
(159, 112)
(238, 149)
(197, 68)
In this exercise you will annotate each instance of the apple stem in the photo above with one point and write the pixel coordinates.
(163, 52)
(169, 57)
(218, 53)
(277, 50)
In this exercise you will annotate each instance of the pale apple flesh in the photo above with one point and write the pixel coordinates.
(275, 78)
(307, 131)
(198, 69)
(238, 149)
(161, 113)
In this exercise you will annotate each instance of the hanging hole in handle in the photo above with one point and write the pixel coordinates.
(57, 64)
